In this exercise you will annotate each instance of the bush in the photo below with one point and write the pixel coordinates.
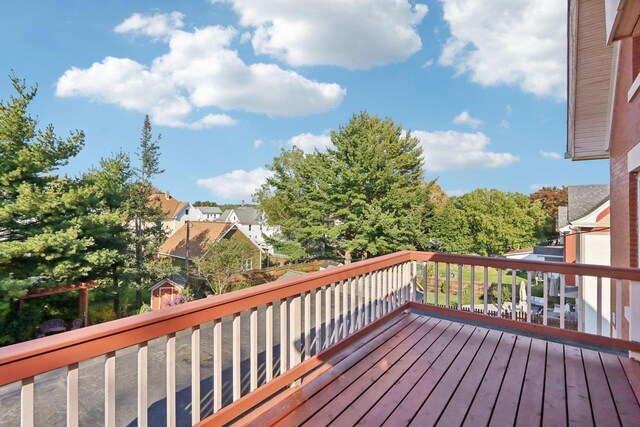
(19, 325)
(506, 292)
(103, 314)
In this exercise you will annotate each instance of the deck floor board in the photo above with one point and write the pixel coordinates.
(425, 371)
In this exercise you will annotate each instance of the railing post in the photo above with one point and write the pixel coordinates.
(268, 332)
(485, 288)
(253, 349)
(580, 303)
(307, 325)
(317, 294)
(142, 384)
(599, 306)
(436, 284)
(26, 403)
(195, 374)
(284, 335)
(500, 293)
(459, 286)
(235, 357)
(473, 285)
(619, 308)
(217, 365)
(562, 303)
(366, 281)
(448, 284)
(545, 297)
(110, 390)
(528, 296)
(414, 281)
(72, 395)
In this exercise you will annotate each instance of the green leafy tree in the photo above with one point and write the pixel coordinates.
(361, 198)
(488, 222)
(221, 262)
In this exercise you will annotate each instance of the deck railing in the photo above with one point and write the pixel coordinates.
(279, 330)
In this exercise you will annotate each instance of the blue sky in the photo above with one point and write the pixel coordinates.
(231, 83)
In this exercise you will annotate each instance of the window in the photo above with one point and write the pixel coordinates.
(249, 227)
(248, 264)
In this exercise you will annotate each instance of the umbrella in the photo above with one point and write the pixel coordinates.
(523, 292)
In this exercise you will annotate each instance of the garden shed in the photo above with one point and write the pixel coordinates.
(166, 290)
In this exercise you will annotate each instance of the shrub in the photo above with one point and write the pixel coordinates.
(103, 314)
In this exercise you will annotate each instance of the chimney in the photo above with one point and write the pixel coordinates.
(167, 195)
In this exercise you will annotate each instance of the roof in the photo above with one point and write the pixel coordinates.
(175, 280)
(519, 251)
(289, 274)
(201, 234)
(169, 205)
(209, 209)
(591, 82)
(584, 199)
(552, 251)
(245, 214)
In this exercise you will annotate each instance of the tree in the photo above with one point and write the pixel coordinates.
(205, 203)
(146, 217)
(551, 198)
(53, 230)
(221, 262)
(361, 198)
(488, 222)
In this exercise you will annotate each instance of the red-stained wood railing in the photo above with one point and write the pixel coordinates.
(317, 313)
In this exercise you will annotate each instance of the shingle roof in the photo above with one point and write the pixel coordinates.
(245, 214)
(584, 199)
(169, 205)
(209, 209)
(201, 234)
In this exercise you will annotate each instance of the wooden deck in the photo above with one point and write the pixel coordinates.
(420, 370)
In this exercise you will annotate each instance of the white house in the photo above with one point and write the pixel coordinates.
(252, 222)
(208, 213)
(175, 211)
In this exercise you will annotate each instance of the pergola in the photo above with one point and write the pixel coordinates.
(83, 287)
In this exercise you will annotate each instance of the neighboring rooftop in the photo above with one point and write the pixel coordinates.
(245, 214)
(209, 209)
(169, 205)
(584, 199)
(201, 234)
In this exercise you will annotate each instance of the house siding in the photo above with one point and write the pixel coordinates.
(625, 135)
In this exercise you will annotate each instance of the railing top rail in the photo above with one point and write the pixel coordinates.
(623, 273)
(18, 361)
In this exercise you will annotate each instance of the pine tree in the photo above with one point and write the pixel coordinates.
(362, 198)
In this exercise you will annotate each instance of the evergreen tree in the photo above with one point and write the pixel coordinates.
(146, 217)
(361, 198)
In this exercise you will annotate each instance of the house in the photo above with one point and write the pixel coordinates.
(603, 122)
(208, 213)
(192, 239)
(252, 221)
(175, 211)
(166, 290)
(584, 226)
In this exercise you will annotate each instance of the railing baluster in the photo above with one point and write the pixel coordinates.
(353, 289)
(253, 349)
(295, 331)
(485, 288)
(378, 294)
(236, 359)
(528, 295)
(404, 282)
(217, 365)
(110, 389)
(367, 299)
(195, 374)
(599, 306)
(562, 301)
(425, 281)
(328, 301)
(500, 293)
(268, 342)
(473, 285)
(337, 318)
(317, 294)
(345, 309)
(26, 402)
(448, 285)
(545, 297)
(142, 384)
(514, 277)
(72, 395)
(414, 281)
(436, 283)
(284, 335)
(580, 304)
(619, 309)
(459, 286)
(307, 325)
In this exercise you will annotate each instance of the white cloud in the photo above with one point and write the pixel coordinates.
(200, 70)
(349, 34)
(513, 42)
(465, 118)
(427, 64)
(258, 143)
(450, 150)
(309, 143)
(156, 26)
(236, 185)
(550, 155)
(504, 124)
(508, 109)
